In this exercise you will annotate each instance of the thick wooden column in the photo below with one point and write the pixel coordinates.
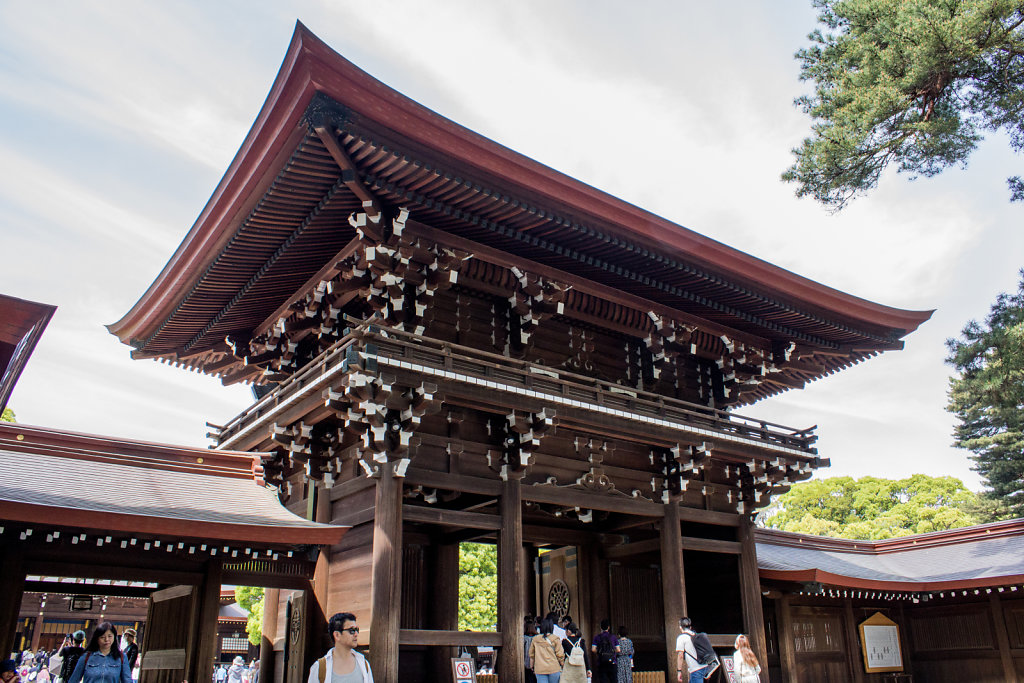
(750, 592)
(673, 580)
(386, 590)
(271, 605)
(12, 569)
(317, 640)
(787, 654)
(999, 623)
(511, 661)
(856, 662)
(443, 608)
(200, 666)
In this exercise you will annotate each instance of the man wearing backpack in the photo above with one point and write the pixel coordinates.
(694, 654)
(342, 664)
(606, 647)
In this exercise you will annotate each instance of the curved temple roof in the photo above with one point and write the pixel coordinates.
(280, 214)
(102, 483)
(972, 557)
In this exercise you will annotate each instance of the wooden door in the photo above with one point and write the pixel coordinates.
(169, 626)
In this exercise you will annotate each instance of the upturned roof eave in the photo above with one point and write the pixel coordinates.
(311, 66)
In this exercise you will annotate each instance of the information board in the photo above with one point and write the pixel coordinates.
(880, 644)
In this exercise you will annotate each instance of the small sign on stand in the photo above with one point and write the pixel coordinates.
(463, 670)
(880, 644)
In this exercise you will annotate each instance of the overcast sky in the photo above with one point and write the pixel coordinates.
(117, 120)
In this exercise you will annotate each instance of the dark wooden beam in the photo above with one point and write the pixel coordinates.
(1002, 638)
(72, 569)
(416, 476)
(57, 587)
(386, 598)
(12, 569)
(206, 644)
(673, 579)
(455, 518)
(552, 495)
(787, 651)
(616, 552)
(750, 591)
(271, 606)
(712, 545)
(434, 637)
(511, 661)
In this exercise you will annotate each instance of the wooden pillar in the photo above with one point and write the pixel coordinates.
(511, 660)
(999, 622)
(37, 629)
(750, 592)
(12, 568)
(200, 666)
(443, 612)
(853, 642)
(787, 653)
(316, 613)
(271, 604)
(673, 580)
(386, 589)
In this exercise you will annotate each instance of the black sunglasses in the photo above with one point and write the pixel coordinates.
(354, 631)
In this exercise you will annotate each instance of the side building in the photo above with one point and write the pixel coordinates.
(451, 342)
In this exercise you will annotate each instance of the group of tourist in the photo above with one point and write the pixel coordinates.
(555, 650)
(102, 660)
(237, 672)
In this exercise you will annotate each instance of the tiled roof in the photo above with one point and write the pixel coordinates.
(97, 482)
(985, 555)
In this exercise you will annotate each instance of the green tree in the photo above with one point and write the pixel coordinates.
(251, 600)
(987, 397)
(478, 586)
(7, 416)
(873, 508)
(910, 83)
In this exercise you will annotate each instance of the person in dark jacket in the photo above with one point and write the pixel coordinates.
(69, 653)
(131, 650)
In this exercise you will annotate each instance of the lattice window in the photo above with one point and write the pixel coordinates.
(232, 644)
(934, 631)
(1013, 612)
(817, 632)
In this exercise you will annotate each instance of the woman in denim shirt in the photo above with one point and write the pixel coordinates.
(102, 661)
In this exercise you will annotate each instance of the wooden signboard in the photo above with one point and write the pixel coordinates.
(880, 644)
(463, 670)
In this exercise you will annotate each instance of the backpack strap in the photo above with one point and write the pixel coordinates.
(87, 655)
(322, 672)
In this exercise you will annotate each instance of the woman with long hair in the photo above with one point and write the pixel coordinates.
(745, 664)
(577, 667)
(546, 654)
(529, 631)
(102, 661)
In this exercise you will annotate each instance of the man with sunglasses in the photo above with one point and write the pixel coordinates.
(342, 664)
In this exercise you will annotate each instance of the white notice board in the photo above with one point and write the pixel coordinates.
(880, 644)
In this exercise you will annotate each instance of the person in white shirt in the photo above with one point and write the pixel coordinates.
(686, 654)
(745, 666)
(342, 664)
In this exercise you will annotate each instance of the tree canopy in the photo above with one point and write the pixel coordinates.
(7, 416)
(478, 587)
(910, 83)
(987, 397)
(871, 508)
(251, 599)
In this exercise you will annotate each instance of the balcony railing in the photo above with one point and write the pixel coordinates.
(368, 344)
